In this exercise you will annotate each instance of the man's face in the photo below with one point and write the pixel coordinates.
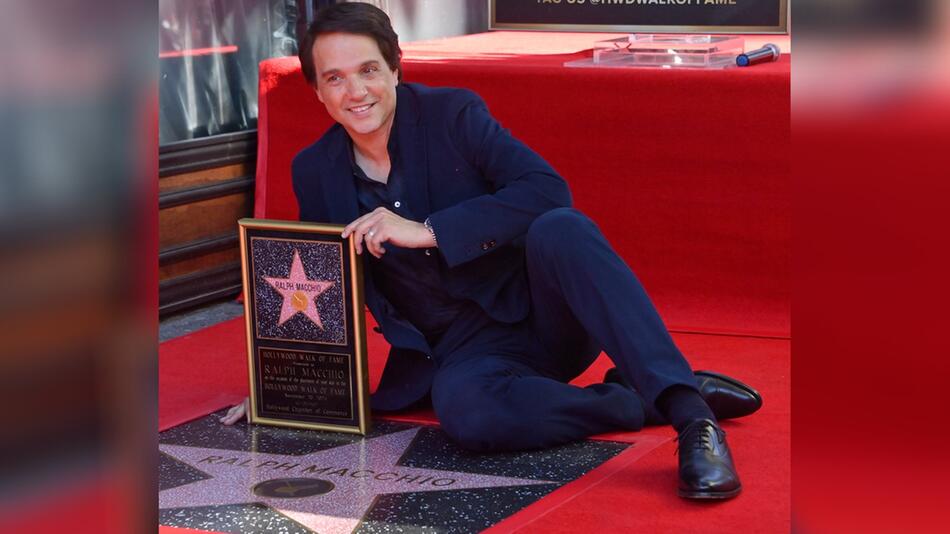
(354, 83)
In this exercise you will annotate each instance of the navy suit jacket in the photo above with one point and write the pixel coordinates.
(481, 189)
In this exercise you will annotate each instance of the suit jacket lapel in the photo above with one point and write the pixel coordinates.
(411, 150)
(338, 188)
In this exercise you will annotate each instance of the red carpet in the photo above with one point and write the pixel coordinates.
(686, 172)
(207, 370)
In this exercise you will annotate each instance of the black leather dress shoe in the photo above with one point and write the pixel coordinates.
(727, 397)
(706, 470)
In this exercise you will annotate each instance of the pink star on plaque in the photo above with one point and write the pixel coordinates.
(300, 293)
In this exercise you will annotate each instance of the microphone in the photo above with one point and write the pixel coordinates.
(769, 52)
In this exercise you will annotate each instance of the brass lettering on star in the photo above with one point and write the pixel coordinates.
(337, 471)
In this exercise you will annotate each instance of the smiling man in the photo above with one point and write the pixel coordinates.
(492, 290)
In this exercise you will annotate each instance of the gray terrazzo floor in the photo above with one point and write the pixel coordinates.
(192, 320)
(398, 478)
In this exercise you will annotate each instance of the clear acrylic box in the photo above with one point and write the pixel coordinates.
(665, 51)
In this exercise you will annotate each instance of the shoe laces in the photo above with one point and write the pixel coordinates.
(703, 440)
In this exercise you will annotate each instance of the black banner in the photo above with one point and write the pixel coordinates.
(667, 16)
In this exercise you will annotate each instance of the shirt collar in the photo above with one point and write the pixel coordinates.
(392, 147)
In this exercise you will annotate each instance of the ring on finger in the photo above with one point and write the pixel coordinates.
(372, 233)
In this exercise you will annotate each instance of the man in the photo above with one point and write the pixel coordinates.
(493, 292)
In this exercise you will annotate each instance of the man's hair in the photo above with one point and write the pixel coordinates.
(356, 18)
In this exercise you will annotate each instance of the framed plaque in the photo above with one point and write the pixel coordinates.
(641, 16)
(306, 332)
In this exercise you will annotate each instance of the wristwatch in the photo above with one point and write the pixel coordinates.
(428, 224)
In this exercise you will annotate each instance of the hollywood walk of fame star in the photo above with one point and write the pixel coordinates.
(337, 486)
(300, 293)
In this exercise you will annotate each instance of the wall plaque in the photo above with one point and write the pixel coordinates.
(306, 332)
(641, 16)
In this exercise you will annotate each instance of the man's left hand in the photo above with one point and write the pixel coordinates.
(383, 226)
(237, 412)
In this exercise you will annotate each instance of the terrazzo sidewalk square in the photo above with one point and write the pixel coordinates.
(397, 478)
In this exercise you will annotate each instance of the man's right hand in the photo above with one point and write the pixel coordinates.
(381, 226)
(237, 412)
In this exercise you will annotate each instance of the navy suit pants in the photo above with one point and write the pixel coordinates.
(504, 386)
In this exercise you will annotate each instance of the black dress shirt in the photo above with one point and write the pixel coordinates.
(411, 279)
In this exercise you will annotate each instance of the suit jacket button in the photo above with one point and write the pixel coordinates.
(485, 246)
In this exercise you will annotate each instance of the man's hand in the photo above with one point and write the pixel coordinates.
(236, 413)
(383, 226)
